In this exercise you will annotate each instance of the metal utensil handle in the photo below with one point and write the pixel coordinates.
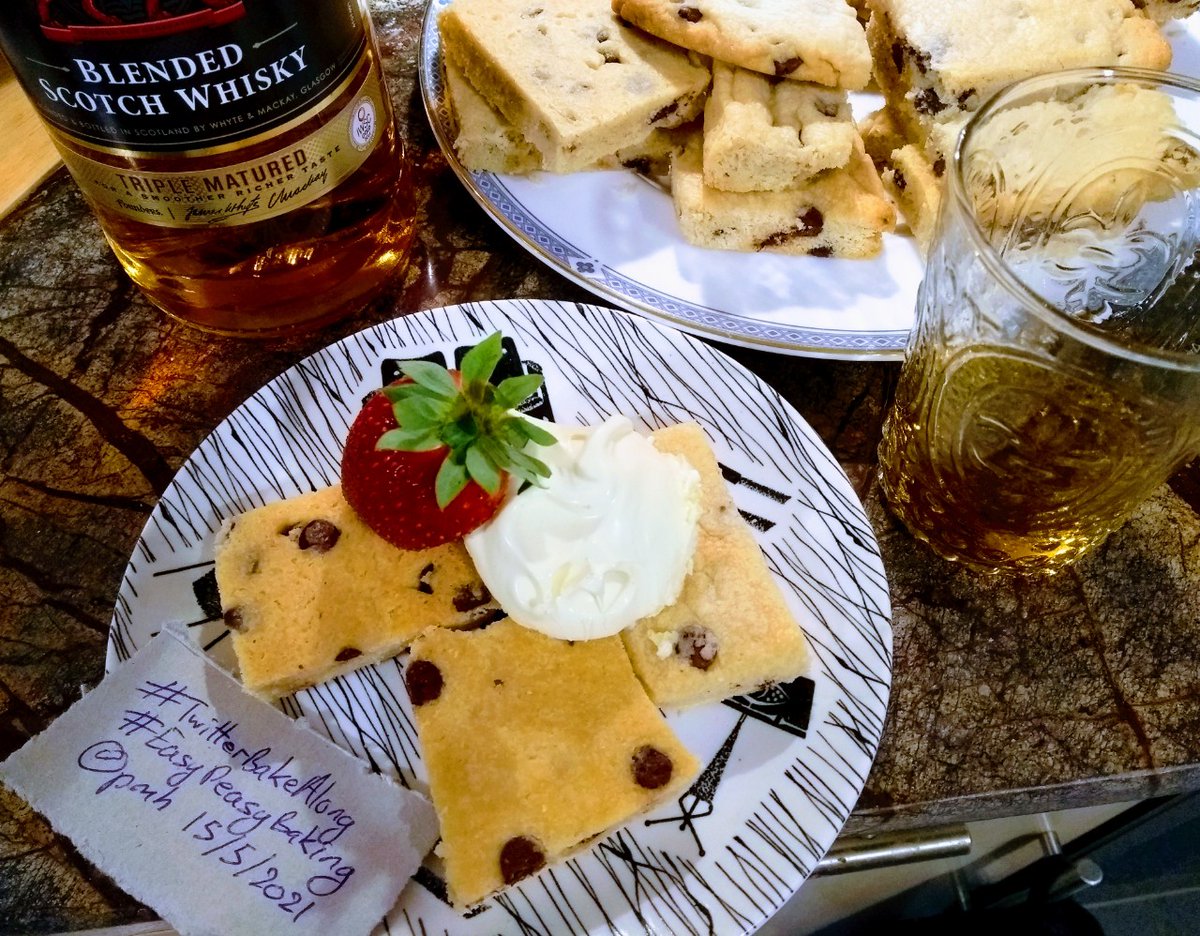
(887, 849)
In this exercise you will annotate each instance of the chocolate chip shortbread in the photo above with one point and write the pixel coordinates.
(574, 81)
(935, 66)
(915, 184)
(1096, 158)
(838, 213)
(310, 592)
(912, 178)
(1163, 10)
(730, 631)
(808, 40)
(762, 135)
(1079, 156)
(533, 747)
(486, 142)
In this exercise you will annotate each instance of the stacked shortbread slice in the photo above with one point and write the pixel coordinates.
(562, 86)
(935, 66)
(781, 166)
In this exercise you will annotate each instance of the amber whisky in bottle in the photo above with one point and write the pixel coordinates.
(240, 155)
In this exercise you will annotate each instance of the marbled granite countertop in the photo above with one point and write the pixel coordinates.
(1010, 696)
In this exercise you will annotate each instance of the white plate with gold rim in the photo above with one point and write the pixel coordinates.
(783, 768)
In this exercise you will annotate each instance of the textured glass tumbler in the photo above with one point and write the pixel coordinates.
(1052, 378)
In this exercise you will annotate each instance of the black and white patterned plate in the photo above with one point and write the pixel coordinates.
(783, 768)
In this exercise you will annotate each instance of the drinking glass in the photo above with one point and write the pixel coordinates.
(1052, 379)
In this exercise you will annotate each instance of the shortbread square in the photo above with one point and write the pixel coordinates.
(730, 631)
(805, 40)
(915, 184)
(1092, 160)
(912, 180)
(486, 142)
(1163, 11)
(839, 213)
(1083, 156)
(763, 135)
(310, 592)
(574, 81)
(936, 64)
(882, 133)
(533, 747)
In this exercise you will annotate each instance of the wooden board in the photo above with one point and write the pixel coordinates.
(26, 154)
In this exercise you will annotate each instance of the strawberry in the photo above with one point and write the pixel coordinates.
(428, 458)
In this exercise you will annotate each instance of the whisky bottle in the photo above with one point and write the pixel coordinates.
(240, 155)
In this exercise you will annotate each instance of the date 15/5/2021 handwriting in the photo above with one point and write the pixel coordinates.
(237, 831)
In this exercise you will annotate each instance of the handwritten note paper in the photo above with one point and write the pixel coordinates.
(216, 809)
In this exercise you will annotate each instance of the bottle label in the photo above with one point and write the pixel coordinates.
(179, 76)
(248, 191)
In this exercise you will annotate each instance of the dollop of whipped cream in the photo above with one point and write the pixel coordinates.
(606, 541)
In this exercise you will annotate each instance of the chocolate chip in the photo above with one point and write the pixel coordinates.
(939, 166)
(698, 645)
(347, 653)
(828, 108)
(898, 56)
(423, 585)
(519, 858)
(965, 96)
(927, 102)
(821, 252)
(481, 618)
(920, 59)
(233, 618)
(665, 112)
(651, 767)
(639, 164)
(776, 239)
(470, 597)
(423, 680)
(811, 223)
(898, 180)
(787, 66)
(691, 14)
(319, 535)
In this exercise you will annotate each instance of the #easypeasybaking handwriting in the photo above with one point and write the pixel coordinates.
(215, 808)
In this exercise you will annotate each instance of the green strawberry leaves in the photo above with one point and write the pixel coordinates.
(479, 363)
(471, 418)
(451, 479)
(516, 390)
